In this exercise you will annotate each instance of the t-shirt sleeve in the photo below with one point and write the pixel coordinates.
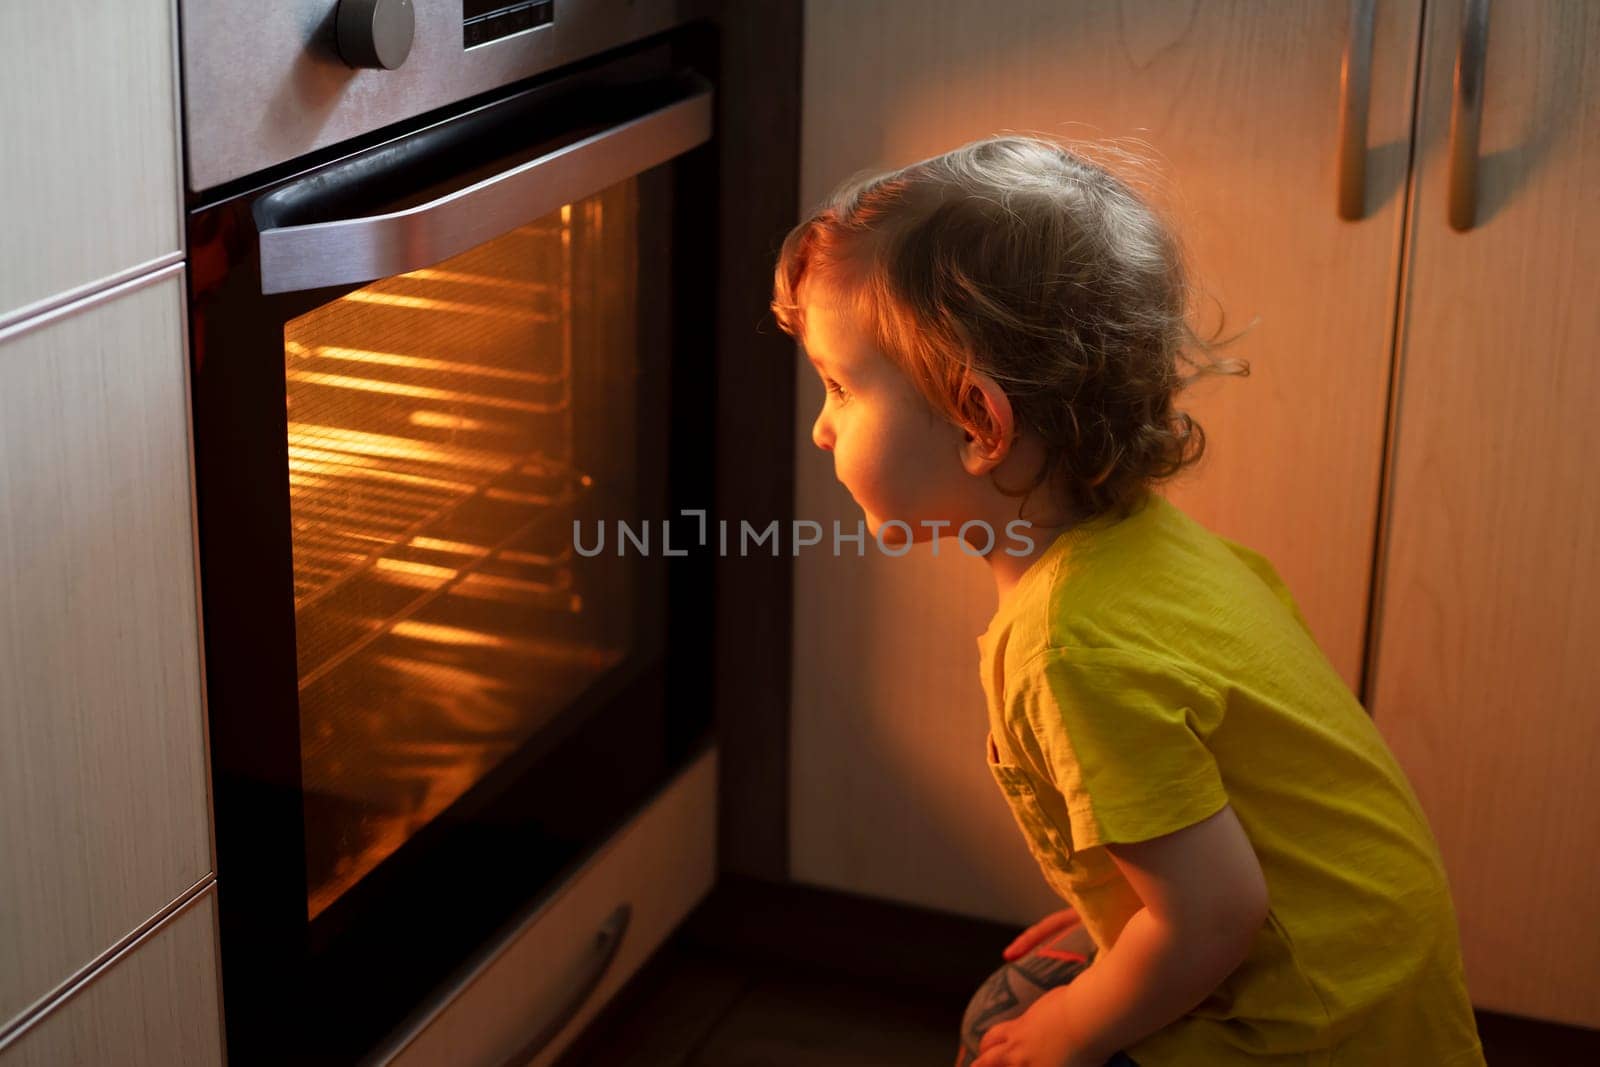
(1121, 736)
(1263, 569)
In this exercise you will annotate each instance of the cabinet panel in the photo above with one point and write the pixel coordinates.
(1485, 673)
(661, 864)
(157, 1005)
(103, 806)
(88, 103)
(1236, 105)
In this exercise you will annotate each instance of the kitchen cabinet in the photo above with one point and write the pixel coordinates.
(1485, 676)
(107, 932)
(155, 1004)
(1410, 436)
(104, 816)
(89, 179)
(1235, 106)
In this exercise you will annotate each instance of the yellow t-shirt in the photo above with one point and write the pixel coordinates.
(1144, 673)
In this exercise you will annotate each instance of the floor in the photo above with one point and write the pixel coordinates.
(705, 1010)
(769, 976)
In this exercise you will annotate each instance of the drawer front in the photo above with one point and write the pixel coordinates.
(155, 1005)
(661, 865)
(103, 807)
(88, 103)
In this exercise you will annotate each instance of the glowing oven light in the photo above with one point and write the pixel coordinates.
(447, 635)
(441, 420)
(431, 424)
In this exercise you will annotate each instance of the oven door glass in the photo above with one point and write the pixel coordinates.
(451, 432)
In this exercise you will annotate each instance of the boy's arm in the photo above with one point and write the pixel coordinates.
(1204, 901)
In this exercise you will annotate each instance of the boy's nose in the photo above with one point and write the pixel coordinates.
(822, 434)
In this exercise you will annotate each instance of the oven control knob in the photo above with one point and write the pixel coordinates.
(375, 33)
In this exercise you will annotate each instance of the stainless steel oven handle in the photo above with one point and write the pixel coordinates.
(349, 251)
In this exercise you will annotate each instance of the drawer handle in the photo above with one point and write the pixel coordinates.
(1355, 97)
(606, 942)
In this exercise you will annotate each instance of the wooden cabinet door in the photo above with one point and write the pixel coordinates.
(1486, 678)
(1238, 103)
(89, 180)
(156, 1005)
(104, 817)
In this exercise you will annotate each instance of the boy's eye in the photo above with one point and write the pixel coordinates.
(834, 387)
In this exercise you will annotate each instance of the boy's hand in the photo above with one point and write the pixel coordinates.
(1036, 1038)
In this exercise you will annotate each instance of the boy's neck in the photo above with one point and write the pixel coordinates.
(1008, 569)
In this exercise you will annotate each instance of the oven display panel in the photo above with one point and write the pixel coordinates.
(484, 21)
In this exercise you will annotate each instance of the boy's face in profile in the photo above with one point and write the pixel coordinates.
(895, 455)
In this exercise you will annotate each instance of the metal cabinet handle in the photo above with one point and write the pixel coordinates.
(606, 942)
(1355, 97)
(1466, 114)
(349, 251)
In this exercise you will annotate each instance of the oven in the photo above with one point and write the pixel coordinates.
(450, 305)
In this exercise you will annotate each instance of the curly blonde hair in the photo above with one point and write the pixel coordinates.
(1017, 257)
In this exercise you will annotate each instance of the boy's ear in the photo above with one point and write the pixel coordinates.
(986, 418)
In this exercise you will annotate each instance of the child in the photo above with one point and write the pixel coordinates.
(1000, 330)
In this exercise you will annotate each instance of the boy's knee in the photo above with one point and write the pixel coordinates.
(997, 999)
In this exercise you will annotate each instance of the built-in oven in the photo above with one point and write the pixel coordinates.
(431, 361)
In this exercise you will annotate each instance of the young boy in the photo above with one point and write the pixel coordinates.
(1256, 882)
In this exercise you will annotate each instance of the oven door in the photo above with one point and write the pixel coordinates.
(426, 378)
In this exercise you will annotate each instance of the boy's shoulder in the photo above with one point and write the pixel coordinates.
(1089, 575)
(1153, 584)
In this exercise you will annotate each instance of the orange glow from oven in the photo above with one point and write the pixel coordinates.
(423, 303)
(434, 462)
